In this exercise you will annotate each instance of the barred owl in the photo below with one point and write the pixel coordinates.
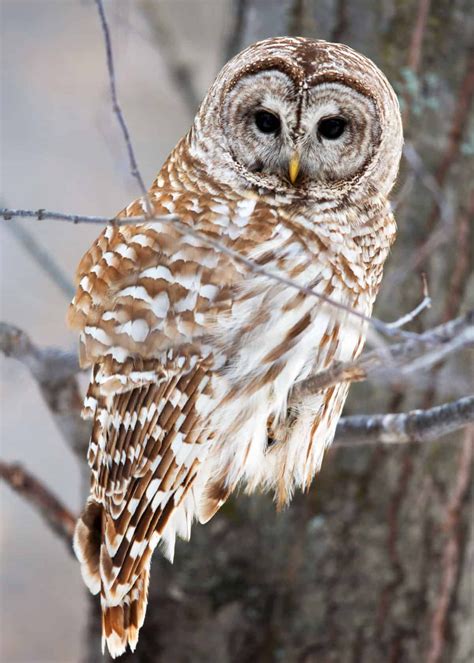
(289, 162)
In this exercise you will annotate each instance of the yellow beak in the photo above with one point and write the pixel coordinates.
(294, 167)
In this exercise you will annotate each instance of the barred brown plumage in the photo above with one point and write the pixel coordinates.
(193, 356)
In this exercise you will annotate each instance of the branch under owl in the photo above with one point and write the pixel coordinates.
(413, 426)
(55, 372)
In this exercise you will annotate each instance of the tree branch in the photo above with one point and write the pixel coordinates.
(115, 102)
(401, 358)
(411, 315)
(55, 372)
(391, 329)
(56, 515)
(414, 426)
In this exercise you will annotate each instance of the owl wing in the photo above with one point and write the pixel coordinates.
(149, 448)
(144, 300)
(145, 451)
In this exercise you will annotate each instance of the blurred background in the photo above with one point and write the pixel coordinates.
(358, 569)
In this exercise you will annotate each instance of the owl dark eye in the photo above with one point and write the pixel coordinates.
(266, 122)
(332, 127)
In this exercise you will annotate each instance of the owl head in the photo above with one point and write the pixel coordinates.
(300, 117)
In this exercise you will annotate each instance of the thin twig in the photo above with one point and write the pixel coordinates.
(439, 354)
(385, 328)
(414, 426)
(115, 102)
(56, 515)
(43, 215)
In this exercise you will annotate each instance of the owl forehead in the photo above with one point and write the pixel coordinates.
(272, 88)
(307, 63)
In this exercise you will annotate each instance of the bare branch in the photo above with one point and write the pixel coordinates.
(115, 102)
(56, 515)
(398, 359)
(388, 329)
(44, 259)
(55, 372)
(43, 215)
(414, 426)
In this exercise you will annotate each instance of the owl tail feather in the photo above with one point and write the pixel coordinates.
(121, 621)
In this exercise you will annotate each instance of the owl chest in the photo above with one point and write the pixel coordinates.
(277, 334)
